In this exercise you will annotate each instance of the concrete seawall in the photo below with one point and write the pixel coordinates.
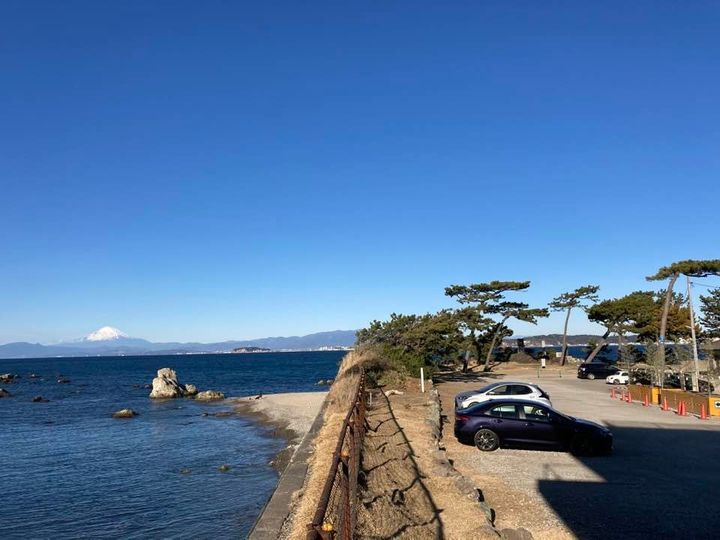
(269, 524)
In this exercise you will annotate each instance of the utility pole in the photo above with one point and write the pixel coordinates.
(696, 378)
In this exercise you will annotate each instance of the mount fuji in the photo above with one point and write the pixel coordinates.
(106, 337)
(109, 341)
(106, 333)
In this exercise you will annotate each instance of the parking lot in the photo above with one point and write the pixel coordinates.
(662, 478)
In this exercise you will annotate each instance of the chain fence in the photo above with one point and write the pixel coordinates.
(336, 514)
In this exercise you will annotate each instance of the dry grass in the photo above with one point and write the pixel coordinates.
(339, 400)
(402, 452)
(410, 493)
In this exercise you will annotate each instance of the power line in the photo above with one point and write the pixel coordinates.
(708, 285)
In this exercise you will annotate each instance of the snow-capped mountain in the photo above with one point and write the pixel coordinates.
(106, 338)
(109, 341)
(106, 333)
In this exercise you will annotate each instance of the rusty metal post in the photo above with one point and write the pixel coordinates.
(342, 481)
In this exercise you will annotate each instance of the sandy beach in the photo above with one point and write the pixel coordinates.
(293, 413)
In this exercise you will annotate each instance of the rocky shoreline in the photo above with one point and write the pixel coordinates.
(290, 416)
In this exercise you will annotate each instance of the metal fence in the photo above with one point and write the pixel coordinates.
(336, 514)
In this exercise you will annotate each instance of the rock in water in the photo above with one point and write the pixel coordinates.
(4, 393)
(124, 413)
(209, 395)
(166, 385)
(8, 377)
(39, 399)
(224, 468)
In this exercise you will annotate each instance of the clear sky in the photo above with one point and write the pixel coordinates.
(220, 169)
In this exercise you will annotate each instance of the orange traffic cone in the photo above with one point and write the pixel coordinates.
(629, 400)
(703, 412)
(665, 406)
(623, 397)
(681, 409)
(646, 401)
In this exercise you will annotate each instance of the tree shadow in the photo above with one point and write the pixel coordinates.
(658, 483)
(481, 377)
(395, 500)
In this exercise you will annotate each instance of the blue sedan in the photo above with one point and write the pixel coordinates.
(522, 423)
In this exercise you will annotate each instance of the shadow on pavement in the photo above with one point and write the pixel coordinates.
(662, 483)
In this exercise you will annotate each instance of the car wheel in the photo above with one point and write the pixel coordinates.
(581, 445)
(487, 440)
(616, 381)
(590, 376)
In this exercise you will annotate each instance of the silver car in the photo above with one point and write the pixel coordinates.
(502, 390)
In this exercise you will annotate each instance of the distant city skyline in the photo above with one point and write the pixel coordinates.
(190, 172)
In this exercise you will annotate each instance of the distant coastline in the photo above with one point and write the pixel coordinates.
(160, 353)
(119, 344)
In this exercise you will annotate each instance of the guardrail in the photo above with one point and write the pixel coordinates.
(336, 514)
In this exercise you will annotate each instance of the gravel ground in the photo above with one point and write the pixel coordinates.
(655, 484)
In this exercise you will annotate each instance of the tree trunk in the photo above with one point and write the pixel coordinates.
(598, 347)
(621, 351)
(478, 350)
(564, 345)
(488, 357)
(663, 325)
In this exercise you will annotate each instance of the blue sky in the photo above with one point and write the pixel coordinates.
(215, 170)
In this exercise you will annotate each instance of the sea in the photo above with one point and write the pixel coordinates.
(70, 470)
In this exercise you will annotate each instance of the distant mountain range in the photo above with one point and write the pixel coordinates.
(108, 341)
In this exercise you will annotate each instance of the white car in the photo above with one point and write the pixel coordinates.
(502, 390)
(621, 377)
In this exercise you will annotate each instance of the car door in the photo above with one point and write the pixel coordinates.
(504, 419)
(540, 428)
(521, 391)
(499, 392)
(610, 370)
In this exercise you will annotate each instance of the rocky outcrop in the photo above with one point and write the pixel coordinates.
(166, 385)
(8, 377)
(209, 395)
(124, 413)
(4, 393)
(40, 399)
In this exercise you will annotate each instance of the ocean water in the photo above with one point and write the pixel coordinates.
(70, 470)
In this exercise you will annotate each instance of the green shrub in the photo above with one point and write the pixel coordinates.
(386, 365)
